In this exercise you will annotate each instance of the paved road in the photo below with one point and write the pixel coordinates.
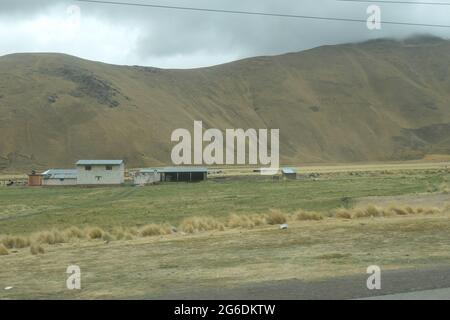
(437, 294)
(430, 283)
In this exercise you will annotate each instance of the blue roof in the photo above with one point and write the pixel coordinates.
(99, 162)
(288, 170)
(60, 174)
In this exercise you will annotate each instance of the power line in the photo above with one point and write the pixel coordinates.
(253, 13)
(399, 2)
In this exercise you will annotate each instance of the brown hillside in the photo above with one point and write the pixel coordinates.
(374, 101)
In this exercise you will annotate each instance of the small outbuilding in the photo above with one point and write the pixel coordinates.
(34, 179)
(100, 172)
(59, 177)
(267, 171)
(289, 173)
(183, 174)
(146, 177)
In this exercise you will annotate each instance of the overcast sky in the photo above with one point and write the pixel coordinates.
(182, 39)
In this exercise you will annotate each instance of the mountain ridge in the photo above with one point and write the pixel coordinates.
(381, 100)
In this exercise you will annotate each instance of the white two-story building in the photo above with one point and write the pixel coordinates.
(100, 172)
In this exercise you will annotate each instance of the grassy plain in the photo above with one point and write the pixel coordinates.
(25, 210)
(165, 265)
(179, 265)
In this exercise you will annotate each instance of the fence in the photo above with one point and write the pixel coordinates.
(13, 182)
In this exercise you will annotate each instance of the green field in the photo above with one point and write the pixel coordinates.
(24, 210)
(181, 264)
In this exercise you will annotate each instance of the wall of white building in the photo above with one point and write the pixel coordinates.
(98, 175)
(58, 182)
(144, 178)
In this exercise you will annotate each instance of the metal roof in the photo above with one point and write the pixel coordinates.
(99, 162)
(149, 170)
(60, 174)
(182, 169)
(288, 170)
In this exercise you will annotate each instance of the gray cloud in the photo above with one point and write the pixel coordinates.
(172, 38)
(24, 7)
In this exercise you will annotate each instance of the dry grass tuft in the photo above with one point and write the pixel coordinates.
(3, 250)
(8, 242)
(133, 231)
(50, 237)
(36, 249)
(445, 188)
(74, 233)
(245, 221)
(202, 224)
(155, 230)
(343, 214)
(94, 233)
(374, 212)
(122, 234)
(107, 237)
(199, 224)
(21, 242)
(276, 217)
(258, 219)
(305, 216)
(59, 237)
(125, 233)
(403, 211)
(398, 210)
(370, 212)
(237, 221)
(431, 211)
(16, 242)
